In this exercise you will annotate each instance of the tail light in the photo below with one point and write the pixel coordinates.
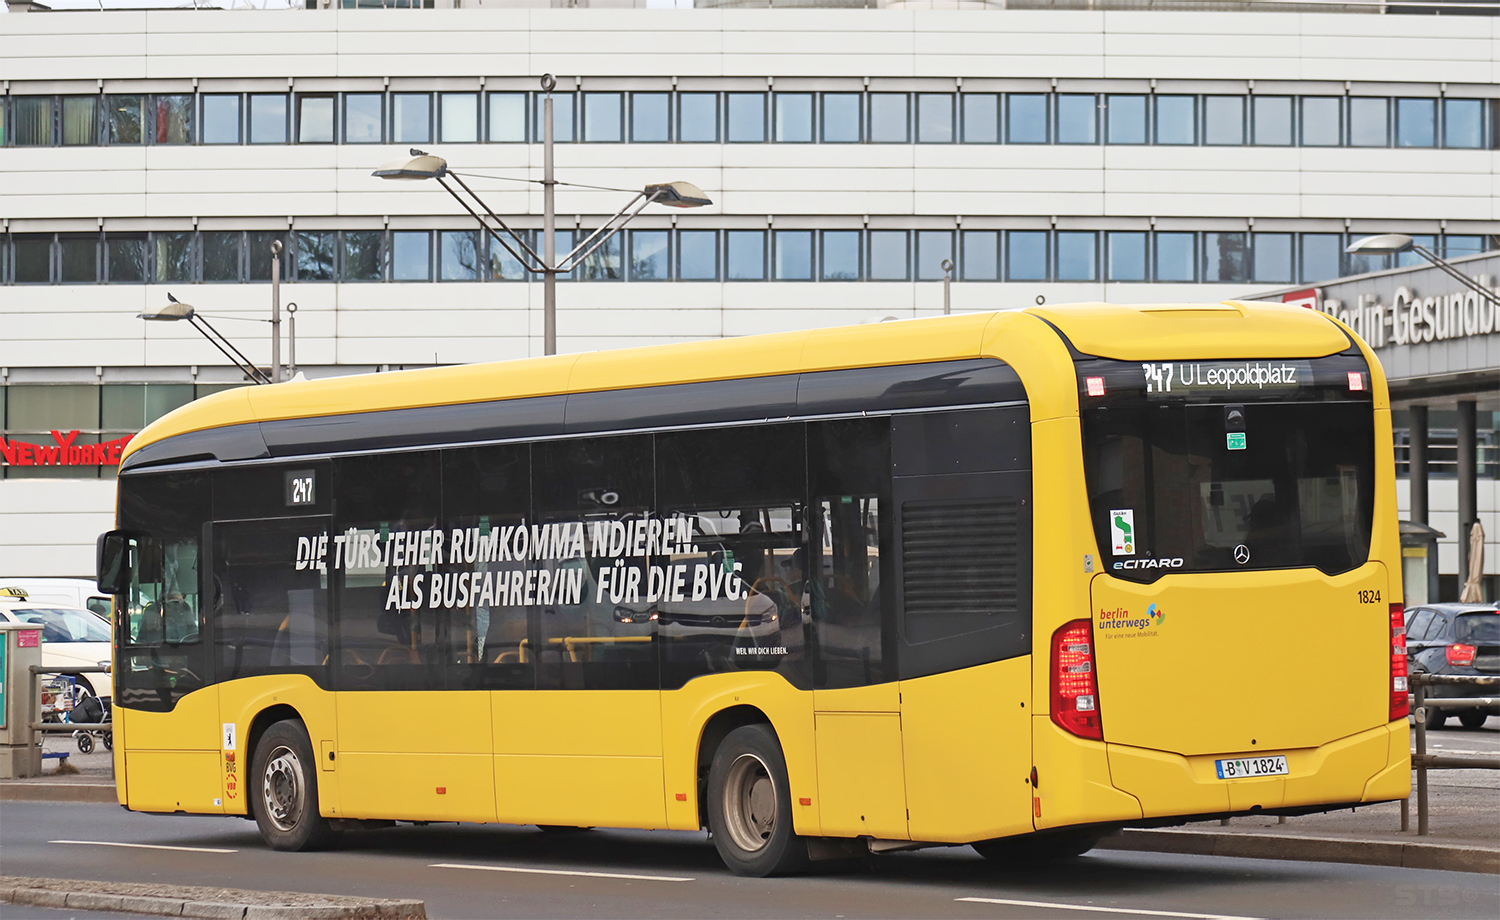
(1075, 692)
(1461, 655)
(1400, 707)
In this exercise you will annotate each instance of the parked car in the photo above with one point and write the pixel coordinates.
(69, 592)
(1457, 639)
(72, 637)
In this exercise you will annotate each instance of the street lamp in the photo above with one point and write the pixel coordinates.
(1391, 243)
(423, 165)
(176, 310)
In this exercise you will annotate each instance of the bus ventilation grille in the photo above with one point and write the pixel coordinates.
(959, 558)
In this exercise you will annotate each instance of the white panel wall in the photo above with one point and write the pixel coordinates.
(48, 526)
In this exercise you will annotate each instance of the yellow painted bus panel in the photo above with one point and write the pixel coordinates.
(191, 725)
(861, 782)
(1073, 780)
(1165, 784)
(945, 338)
(688, 710)
(615, 723)
(122, 775)
(1394, 782)
(426, 787)
(414, 722)
(1164, 332)
(174, 781)
(580, 791)
(874, 698)
(966, 742)
(1337, 772)
(1203, 663)
(1033, 349)
(241, 701)
(712, 359)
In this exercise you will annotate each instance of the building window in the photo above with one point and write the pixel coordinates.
(648, 255)
(504, 266)
(1127, 256)
(411, 255)
(362, 255)
(221, 119)
(934, 247)
(126, 257)
(1077, 119)
(981, 114)
(31, 119)
(259, 244)
(126, 118)
(1320, 256)
(562, 117)
(364, 118)
(174, 119)
(32, 255)
(507, 118)
(313, 251)
(221, 254)
(1273, 257)
(934, 118)
(1176, 119)
(981, 255)
(1456, 246)
(1416, 122)
(698, 118)
(649, 123)
(1175, 258)
(1273, 121)
(1076, 255)
(602, 117)
(174, 256)
(1127, 119)
(841, 118)
(793, 255)
(78, 258)
(1369, 122)
(747, 118)
(889, 255)
(1322, 121)
(411, 118)
(1224, 121)
(458, 114)
(698, 255)
(840, 255)
(315, 120)
(1411, 258)
(1226, 257)
(889, 119)
(1026, 255)
(80, 120)
(794, 117)
(1463, 123)
(267, 118)
(458, 255)
(1027, 122)
(745, 255)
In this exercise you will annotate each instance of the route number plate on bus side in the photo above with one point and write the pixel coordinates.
(1248, 767)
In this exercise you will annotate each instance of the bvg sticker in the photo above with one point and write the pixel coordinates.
(1122, 527)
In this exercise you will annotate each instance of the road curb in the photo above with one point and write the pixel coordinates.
(58, 792)
(237, 905)
(1402, 853)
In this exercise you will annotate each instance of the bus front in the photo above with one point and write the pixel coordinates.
(1245, 641)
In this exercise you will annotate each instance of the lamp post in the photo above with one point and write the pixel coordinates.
(276, 311)
(1391, 243)
(176, 310)
(548, 264)
(947, 268)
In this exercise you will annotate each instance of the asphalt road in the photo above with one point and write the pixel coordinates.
(502, 871)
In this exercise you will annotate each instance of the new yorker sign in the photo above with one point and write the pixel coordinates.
(64, 451)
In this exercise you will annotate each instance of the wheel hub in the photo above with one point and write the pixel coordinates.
(282, 789)
(750, 803)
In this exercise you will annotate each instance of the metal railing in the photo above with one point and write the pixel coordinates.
(39, 673)
(1422, 761)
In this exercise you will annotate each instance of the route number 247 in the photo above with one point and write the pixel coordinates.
(1369, 597)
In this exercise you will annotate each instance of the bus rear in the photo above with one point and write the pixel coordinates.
(1244, 650)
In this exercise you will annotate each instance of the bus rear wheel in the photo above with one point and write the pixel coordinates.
(284, 790)
(1034, 848)
(749, 805)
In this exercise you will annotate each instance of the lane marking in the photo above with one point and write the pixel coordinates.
(144, 846)
(639, 878)
(1051, 905)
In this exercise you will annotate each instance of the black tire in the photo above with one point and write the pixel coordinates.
(282, 790)
(1473, 718)
(1436, 719)
(109, 741)
(750, 805)
(1035, 848)
(85, 743)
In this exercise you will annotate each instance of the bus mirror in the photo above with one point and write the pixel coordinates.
(112, 573)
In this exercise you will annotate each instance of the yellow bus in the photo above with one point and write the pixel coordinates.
(1012, 580)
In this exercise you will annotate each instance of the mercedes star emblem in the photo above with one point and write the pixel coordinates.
(1242, 554)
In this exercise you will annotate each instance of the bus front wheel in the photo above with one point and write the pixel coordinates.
(750, 813)
(284, 790)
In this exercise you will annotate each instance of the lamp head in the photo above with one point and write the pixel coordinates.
(173, 311)
(421, 166)
(678, 195)
(1384, 244)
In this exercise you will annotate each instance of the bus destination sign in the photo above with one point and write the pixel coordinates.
(1185, 378)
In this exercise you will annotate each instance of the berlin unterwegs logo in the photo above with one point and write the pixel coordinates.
(1156, 614)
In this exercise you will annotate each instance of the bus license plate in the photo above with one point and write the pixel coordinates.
(1246, 767)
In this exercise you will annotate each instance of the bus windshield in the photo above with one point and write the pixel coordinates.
(1228, 465)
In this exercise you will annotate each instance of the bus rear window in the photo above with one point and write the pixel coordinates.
(1229, 476)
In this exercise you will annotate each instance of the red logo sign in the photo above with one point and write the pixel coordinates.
(64, 452)
(29, 638)
(1308, 298)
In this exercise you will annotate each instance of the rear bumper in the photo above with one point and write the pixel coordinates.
(1371, 766)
